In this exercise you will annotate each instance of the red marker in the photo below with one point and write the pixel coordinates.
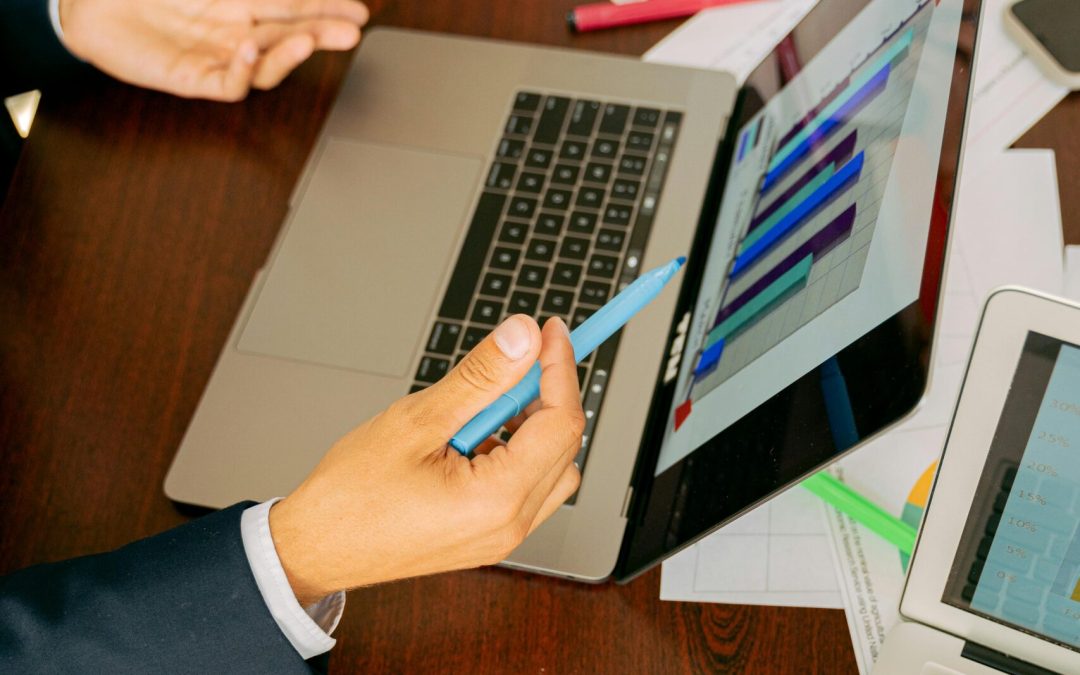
(601, 15)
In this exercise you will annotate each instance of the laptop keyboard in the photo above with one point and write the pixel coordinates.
(560, 227)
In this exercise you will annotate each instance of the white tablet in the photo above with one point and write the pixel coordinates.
(998, 558)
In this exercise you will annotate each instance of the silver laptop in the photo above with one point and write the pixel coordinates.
(994, 582)
(458, 181)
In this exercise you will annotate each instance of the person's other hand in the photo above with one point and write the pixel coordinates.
(213, 49)
(393, 500)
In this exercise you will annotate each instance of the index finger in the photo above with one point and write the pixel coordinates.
(293, 10)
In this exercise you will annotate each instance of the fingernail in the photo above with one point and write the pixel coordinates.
(512, 337)
(565, 328)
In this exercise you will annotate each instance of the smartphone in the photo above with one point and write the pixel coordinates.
(1049, 31)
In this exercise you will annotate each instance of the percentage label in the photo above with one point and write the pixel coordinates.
(1016, 551)
(1066, 406)
(1054, 439)
(1023, 524)
(1042, 468)
(1032, 497)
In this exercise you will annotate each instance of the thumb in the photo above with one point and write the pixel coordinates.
(489, 370)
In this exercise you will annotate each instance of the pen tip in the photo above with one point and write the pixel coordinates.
(681, 260)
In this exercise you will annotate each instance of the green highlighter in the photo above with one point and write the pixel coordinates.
(887, 526)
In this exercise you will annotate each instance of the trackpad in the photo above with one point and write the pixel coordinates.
(366, 252)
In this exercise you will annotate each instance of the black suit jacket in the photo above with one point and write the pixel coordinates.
(184, 601)
(31, 56)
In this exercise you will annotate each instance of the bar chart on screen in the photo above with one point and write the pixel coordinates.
(809, 231)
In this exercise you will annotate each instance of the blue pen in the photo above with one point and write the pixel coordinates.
(585, 339)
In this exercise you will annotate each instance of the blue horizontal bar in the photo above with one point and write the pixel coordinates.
(800, 213)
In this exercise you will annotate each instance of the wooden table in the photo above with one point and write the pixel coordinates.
(129, 238)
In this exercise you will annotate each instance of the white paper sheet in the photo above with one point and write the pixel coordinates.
(778, 554)
(735, 38)
(1072, 273)
(1007, 231)
(1011, 94)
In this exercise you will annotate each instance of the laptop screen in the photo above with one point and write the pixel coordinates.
(811, 290)
(1018, 561)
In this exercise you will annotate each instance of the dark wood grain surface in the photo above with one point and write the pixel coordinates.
(129, 237)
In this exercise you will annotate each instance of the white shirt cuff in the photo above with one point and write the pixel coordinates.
(54, 16)
(307, 628)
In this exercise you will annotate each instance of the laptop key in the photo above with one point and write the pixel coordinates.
(583, 118)
(582, 222)
(632, 164)
(524, 303)
(565, 174)
(538, 158)
(522, 207)
(573, 151)
(558, 302)
(471, 258)
(580, 315)
(530, 182)
(496, 284)
(610, 240)
(432, 369)
(574, 248)
(540, 249)
(513, 233)
(526, 101)
(444, 337)
(557, 200)
(618, 214)
(417, 387)
(501, 176)
(510, 148)
(605, 149)
(549, 224)
(639, 140)
(590, 197)
(566, 274)
(646, 117)
(552, 114)
(532, 276)
(614, 119)
(487, 311)
(594, 292)
(603, 266)
(473, 336)
(519, 125)
(624, 188)
(505, 258)
(597, 172)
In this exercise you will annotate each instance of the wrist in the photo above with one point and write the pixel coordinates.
(299, 554)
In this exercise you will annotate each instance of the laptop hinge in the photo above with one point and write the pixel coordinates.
(626, 501)
(999, 661)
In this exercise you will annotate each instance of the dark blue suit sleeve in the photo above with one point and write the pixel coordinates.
(31, 56)
(184, 601)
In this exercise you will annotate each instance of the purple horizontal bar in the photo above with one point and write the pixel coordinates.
(818, 245)
(838, 154)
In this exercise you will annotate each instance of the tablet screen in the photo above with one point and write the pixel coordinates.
(824, 221)
(809, 300)
(1018, 561)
